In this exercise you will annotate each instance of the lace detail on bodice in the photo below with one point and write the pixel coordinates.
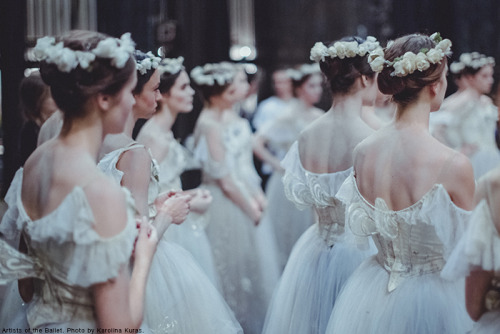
(306, 189)
(237, 142)
(410, 242)
(108, 166)
(64, 251)
(173, 165)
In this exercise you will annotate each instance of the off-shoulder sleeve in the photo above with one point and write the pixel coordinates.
(70, 249)
(9, 225)
(215, 169)
(479, 246)
(295, 180)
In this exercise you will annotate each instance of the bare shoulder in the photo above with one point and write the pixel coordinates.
(136, 158)
(108, 203)
(458, 179)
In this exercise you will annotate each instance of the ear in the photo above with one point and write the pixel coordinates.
(104, 101)
(364, 81)
(433, 89)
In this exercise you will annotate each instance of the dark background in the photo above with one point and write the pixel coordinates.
(285, 31)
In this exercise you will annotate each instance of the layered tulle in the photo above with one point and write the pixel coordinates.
(310, 284)
(420, 304)
(181, 299)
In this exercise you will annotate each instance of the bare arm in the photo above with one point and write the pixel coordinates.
(229, 186)
(261, 151)
(477, 285)
(119, 302)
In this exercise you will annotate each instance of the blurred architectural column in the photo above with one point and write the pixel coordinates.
(242, 30)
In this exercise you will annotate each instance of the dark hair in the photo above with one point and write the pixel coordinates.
(405, 89)
(296, 83)
(142, 78)
(71, 90)
(208, 91)
(32, 93)
(167, 80)
(342, 73)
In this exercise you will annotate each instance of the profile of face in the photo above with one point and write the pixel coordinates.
(179, 98)
(282, 84)
(121, 108)
(371, 92)
(440, 89)
(238, 89)
(482, 81)
(311, 90)
(147, 99)
(47, 108)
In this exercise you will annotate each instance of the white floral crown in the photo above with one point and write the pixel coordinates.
(209, 74)
(148, 63)
(303, 70)
(411, 62)
(171, 65)
(342, 49)
(66, 59)
(473, 60)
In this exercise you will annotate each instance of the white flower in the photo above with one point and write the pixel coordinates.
(351, 49)
(435, 55)
(332, 52)
(445, 46)
(398, 69)
(408, 63)
(456, 67)
(84, 58)
(421, 62)
(42, 44)
(377, 63)
(171, 65)
(340, 48)
(67, 60)
(318, 52)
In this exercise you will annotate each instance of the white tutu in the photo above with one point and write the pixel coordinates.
(237, 261)
(191, 236)
(489, 323)
(287, 221)
(181, 299)
(13, 309)
(421, 304)
(313, 277)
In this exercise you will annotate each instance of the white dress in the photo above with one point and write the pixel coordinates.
(479, 247)
(321, 261)
(180, 298)
(66, 257)
(400, 289)
(191, 234)
(471, 130)
(287, 221)
(240, 257)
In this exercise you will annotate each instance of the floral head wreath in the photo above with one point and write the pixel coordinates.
(148, 63)
(343, 49)
(411, 62)
(171, 65)
(472, 60)
(66, 59)
(298, 73)
(211, 74)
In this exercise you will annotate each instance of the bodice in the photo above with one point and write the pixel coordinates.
(410, 242)
(65, 255)
(473, 124)
(307, 189)
(236, 139)
(177, 160)
(108, 165)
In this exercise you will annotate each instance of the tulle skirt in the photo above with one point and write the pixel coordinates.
(13, 309)
(311, 281)
(181, 299)
(238, 262)
(488, 324)
(191, 236)
(288, 222)
(420, 304)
